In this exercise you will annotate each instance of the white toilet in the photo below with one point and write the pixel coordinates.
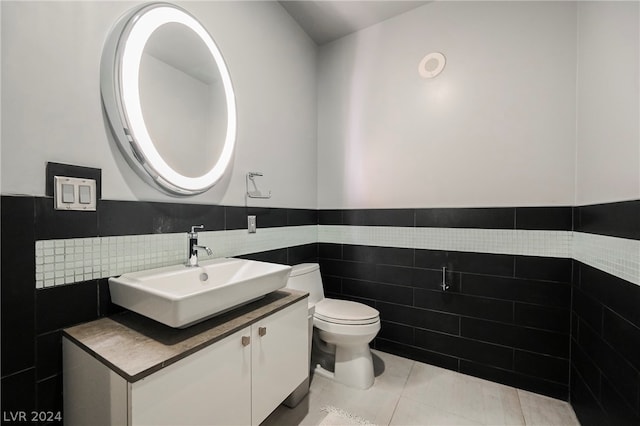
(344, 326)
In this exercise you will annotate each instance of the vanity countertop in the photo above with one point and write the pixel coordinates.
(135, 346)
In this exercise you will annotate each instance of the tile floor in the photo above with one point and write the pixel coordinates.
(412, 393)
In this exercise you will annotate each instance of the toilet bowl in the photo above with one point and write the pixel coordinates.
(342, 329)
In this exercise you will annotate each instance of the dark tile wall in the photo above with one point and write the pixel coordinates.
(32, 319)
(504, 318)
(614, 219)
(605, 337)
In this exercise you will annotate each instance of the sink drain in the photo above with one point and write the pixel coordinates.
(204, 276)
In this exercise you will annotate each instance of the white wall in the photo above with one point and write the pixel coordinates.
(51, 109)
(608, 149)
(496, 128)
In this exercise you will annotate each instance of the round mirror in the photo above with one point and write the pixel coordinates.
(169, 98)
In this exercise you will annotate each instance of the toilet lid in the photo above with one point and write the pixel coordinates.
(345, 312)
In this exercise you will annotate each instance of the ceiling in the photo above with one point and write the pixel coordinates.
(328, 20)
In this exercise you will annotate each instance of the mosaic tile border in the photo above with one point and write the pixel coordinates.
(497, 241)
(616, 256)
(67, 261)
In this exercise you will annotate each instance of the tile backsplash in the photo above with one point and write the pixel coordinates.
(66, 261)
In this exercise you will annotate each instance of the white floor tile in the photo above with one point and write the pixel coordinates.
(410, 412)
(542, 410)
(412, 393)
(476, 399)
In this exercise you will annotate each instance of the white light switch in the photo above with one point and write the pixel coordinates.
(74, 193)
(68, 195)
(84, 194)
(251, 222)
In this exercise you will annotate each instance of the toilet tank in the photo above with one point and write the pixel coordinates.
(306, 277)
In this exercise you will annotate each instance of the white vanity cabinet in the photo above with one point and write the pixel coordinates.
(238, 380)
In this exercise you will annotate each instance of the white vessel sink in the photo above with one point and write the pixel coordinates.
(180, 296)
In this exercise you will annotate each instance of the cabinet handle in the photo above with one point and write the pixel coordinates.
(246, 340)
(262, 331)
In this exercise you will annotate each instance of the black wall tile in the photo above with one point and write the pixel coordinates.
(623, 336)
(378, 217)
(354, 270)
(66, 305)
(398, 275)
(542, 366)
(468, 349)
(184, 216)
(521, 290)
(617, 409)
(378, 255)
(273, 256)
(55, 224)
(105, 306)
(469, 306)
(49, 397)
(419, 318)
(332, 284)
(330, 217)
(587, 310)
(431, 279)
(236, 217)
(17, 292)
(297, 217)
(540, 341)
(49, 355)
(396, 332)
(582, 364)
(546, 318)
(619, 372)
(619, 295)
(330, 251)
(605, 378)
(585, 404)
(307, 253)
(613, 219)
(484, 218)
(479, 263)
(543, 268)
(19, 392)
(544, 218)
(125, 218)
(378, 291)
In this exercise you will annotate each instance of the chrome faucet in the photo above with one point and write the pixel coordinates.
(194, 247)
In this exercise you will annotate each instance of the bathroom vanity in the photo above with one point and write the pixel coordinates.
(232, 369)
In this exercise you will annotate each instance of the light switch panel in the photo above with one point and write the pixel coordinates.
(74, 193)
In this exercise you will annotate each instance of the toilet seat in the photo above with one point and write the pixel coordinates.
(345, 312)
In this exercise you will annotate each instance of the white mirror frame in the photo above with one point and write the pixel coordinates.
(119, 76)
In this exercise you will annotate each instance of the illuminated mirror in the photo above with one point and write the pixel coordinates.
(168, 96)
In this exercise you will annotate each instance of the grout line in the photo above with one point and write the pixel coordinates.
(404, 385)
(524, 420)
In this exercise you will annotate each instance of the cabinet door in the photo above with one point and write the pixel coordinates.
(209, 387)
(280, 359)
(93, 394)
